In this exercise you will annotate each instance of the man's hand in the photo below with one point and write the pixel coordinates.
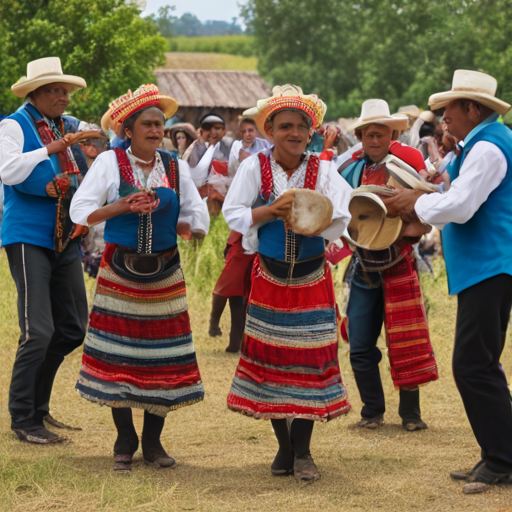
(282, 206)
(144, 203)
(51, 190)
(56, 146)
(80, 231)
(330, 135)
(402, 203)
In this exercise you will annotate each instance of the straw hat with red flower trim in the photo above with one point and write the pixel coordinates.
(287, 97)
(126, 105)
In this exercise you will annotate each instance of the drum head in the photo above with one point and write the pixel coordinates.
(367, 219)
(311, 213)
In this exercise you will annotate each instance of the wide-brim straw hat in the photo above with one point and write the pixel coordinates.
(287, 97)
(42, 72)
(471, 85)
(370, 227)
(126, 105)
(405, 176)
(410, 111)
(377, 112)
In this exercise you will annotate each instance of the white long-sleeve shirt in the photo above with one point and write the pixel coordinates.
(101, 185)
(246, 187)
(234, 155)
(16, 166)
(483, 169)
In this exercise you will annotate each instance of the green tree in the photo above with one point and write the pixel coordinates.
(104, 41)
(399, 50)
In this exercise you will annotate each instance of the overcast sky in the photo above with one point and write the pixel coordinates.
(203, 9)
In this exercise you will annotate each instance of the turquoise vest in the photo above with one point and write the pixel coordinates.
(353, 173)
(29, 214)
(482, 247)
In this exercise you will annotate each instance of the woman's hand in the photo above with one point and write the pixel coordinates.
(142, 202)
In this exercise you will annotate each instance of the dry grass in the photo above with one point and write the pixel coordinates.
(209, 61)
(224, 458)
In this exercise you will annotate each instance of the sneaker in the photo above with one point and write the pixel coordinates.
(370, 423)
(483, 479)
(39, 435)
(414, 426)
(463, 474)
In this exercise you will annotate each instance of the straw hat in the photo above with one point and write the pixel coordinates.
(287, 97)
(145, 96)
(405, 176)
(377, 112)
(410, 110)
(42, 72)
(471, 85)
(370, 227)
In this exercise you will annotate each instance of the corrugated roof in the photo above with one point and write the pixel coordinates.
(229, 89)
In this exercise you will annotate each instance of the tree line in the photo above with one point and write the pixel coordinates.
(399, 50)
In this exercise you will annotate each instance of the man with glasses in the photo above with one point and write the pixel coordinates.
(40, 167)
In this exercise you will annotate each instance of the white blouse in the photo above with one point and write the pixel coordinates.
(101, 185)
(245, 190)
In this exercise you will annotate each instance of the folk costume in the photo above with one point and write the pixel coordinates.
(475, 216)
(45, 265)
(139, 350)
(289, 364)
(385, 288)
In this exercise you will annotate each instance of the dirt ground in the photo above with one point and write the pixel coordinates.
(224, 458)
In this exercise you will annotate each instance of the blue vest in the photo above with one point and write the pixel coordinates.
(482, 247)
(29, 214)
(272, 242)
(123, 229)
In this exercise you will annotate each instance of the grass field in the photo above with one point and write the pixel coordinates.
(209, 61)
(224, 458)
(234, 45)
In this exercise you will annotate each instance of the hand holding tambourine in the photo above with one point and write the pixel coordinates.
(305, 212)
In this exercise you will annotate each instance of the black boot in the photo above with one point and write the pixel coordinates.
(152, 448)
(409, 410)
(218, 305)
(304, 467)
(283, 462)
(237, 307)
(127, 440)
(372, 396)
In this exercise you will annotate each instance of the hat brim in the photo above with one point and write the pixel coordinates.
(409, 180)
(21, 89)
(441, 99)
(167, 105)
(395, 123)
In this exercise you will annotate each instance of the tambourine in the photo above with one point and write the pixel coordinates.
(310, 214)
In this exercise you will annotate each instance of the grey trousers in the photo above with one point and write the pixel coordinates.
(52, 312)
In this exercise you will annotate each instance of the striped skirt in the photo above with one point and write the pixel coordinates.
(289, 363)
(139, 350)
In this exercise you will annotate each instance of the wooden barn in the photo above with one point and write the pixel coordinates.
(227, 93)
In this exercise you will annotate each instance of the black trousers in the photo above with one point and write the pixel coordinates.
(482, 318)
(52, 312)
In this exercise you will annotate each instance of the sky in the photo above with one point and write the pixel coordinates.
(223, 10)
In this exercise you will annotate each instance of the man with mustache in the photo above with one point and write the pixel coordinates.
(39, 168)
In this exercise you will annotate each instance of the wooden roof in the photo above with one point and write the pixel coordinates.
(228, 89)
